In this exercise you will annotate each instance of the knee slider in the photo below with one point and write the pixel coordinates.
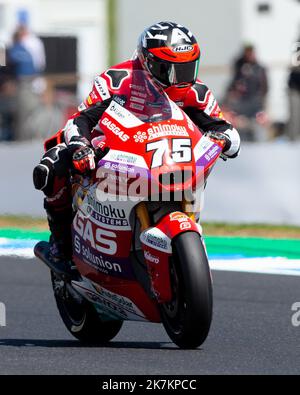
(41, 177)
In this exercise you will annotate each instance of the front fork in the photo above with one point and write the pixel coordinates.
(157, 246)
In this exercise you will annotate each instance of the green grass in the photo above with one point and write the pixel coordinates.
(212, 229)
(254, 230)
(23, 222)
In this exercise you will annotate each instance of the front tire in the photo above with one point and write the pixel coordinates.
(81, 319)
(187, 318)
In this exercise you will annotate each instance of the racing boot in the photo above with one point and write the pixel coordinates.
(61, 238)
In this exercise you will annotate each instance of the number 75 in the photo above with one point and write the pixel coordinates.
(181, 151)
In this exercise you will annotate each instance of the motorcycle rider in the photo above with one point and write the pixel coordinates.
(170, 54)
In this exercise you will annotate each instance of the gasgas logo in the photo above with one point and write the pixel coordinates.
(99, 239)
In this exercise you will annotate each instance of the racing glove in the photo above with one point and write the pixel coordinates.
(83, 156)
(231, 142)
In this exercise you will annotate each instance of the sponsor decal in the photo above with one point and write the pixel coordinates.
(140, 137)
(212, 153)
(120, 99)
(94, 96)
(106, 213)
(140, 88)
(151, 258)
(185, 225)
(124, 157)
(164, 130)
(203, 145)
(115, 129)
(123, 116)
(113, 304)
(117, 110)
(101, 87)
(120, 300)
(122, 168)
(210, 105)
(136, 106)
(183, 48)
(180, 217)
(101, 240)
(103, 305)
(98, 261)
(137, 99)
(112, 266)
(89, 100)
(156, 239)
(139, 94)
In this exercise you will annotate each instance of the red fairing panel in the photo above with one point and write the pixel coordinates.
(175, 223)
(157, 247)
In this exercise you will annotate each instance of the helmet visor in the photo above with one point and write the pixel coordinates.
(173, 73)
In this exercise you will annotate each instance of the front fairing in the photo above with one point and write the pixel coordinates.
(148, 133)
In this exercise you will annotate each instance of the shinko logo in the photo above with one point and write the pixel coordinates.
(2, 314)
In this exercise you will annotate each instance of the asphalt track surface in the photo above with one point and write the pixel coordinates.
(251, 332)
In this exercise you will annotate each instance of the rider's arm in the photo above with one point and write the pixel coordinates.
(81, 125)
(203, 109)
(78, 129)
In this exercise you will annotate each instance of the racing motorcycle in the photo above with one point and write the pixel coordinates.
(137, 240)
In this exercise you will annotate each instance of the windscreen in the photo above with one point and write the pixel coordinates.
(144, 99)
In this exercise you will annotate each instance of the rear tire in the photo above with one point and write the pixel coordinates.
(187, 318)
(82, 319)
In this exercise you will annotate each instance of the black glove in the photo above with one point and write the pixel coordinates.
(83, 156)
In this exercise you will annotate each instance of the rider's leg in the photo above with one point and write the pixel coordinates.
(53, 178)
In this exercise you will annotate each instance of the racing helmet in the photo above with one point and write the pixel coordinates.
(170, 53)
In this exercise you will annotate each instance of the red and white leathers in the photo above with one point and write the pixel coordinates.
(52, 175)
(196, 100)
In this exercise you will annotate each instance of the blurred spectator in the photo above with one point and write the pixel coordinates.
(293, 130)
(26, 55)
(246, 94)
(7, 102)
(26, 58)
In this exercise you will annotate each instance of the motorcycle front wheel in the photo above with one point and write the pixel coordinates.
(82, 319)
(187, 318)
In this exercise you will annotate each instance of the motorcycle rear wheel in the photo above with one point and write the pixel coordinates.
(82, 320)
(187, 318)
